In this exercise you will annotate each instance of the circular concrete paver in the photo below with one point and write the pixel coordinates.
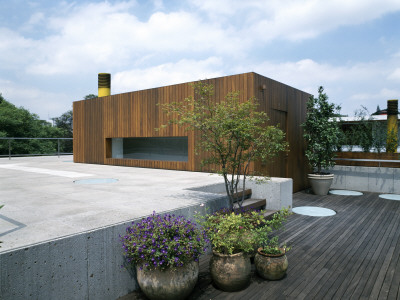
(390, 197)
(95, 181)
(314, 211)
(345, 193)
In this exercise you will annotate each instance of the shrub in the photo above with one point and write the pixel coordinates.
(233, 232)
(264, 237)
(161, 242)
(321, 131)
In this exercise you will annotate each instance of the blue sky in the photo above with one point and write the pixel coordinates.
(51, 51)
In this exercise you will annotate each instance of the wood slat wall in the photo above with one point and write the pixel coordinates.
(285, 106)
(136, 114)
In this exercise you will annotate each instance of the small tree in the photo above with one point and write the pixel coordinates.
(321, 132)
(64, 122)
(364, 134)
(379, 134)
(233, 134)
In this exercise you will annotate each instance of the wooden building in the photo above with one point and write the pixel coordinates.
(103, 125)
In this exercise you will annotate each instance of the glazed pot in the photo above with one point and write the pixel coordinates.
(320, 184)
(230, 273)
(271, 266)
(170, 284)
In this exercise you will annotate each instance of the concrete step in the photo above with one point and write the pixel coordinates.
(268, 214)
(247, 194)
(252, 203)
(257, 204)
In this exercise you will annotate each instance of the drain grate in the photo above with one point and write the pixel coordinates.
(314, 211)
(95, 181)
(345, 193)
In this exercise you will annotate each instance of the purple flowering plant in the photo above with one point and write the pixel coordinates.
(163, 241)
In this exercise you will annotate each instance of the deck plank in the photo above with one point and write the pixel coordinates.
(352, 255)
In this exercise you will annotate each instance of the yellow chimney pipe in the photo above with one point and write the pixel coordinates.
(104, 82)
(392, 127)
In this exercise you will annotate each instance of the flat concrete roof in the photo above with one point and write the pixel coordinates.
(42, 202)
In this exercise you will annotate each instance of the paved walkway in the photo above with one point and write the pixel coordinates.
(42, 202)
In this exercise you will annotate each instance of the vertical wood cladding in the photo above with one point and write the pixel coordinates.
(136, 114)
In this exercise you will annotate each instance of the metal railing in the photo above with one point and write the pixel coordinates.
(10, 139)
(379, 161)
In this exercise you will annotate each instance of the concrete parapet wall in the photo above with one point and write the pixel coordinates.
(277, 191)
(88, 265)
(81, 266)
(368, 179)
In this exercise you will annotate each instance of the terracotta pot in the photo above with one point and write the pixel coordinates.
(270, 266)
(230, 273)
(168, 284)
(320, 184)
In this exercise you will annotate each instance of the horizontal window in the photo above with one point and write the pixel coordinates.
(151, 148)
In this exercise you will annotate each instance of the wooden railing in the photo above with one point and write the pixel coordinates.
(366, 159)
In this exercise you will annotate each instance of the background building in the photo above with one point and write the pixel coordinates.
(120, 129)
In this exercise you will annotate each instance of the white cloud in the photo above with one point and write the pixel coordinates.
(46, 104)
(86, 37)
(349, 85)
(15, 50)
(308, 72)
(165, 74)
(210, 38)
(384, 93)
(109, 36)
(296, 19)
(395, 75)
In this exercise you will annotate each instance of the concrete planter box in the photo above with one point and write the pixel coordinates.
(368, 179)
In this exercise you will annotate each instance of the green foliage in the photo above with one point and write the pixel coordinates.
(321, 131)
(243, 231)
(363, 129)
(64, 123)
(366, 133)
(270, 244)
(232, 232)
(90, 96)
(19, 122)
(379, 133)
(233, 134)
(341, 139)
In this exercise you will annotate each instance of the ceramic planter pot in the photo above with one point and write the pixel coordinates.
(168, 284)
(270, 266)
(320, 184)
(230, 273)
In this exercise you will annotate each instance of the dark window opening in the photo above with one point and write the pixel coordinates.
(151, 148)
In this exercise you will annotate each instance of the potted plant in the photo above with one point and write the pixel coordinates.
(321, 132)
(165, 251)
(232, 239)
(270, 261)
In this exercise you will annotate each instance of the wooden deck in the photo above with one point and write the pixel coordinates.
(352, 255)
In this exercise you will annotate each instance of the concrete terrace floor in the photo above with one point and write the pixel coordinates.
(42, 202)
